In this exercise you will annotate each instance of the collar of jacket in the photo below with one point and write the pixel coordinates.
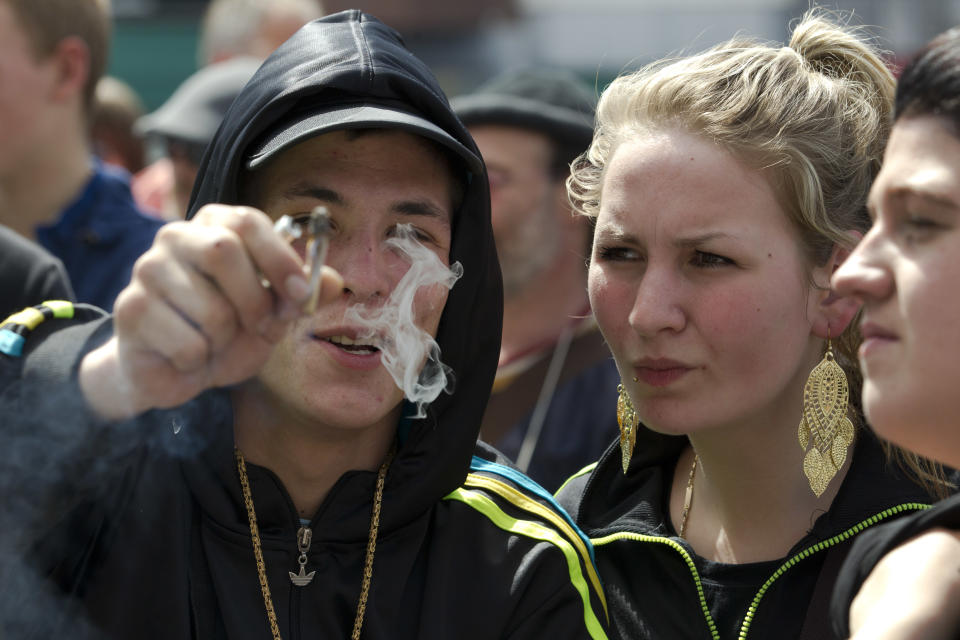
(638, 501)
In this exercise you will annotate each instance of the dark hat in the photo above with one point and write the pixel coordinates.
(315, 119)
(194, 111)
(550, 101)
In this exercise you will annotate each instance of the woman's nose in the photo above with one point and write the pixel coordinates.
(864, 275)
(657, 305)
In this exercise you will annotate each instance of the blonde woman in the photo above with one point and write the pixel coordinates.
(726, 188)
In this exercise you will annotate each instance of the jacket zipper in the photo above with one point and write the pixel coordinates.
(295, 603)
(304, 538)
(791, 562)
(676, 546)
(820, 546)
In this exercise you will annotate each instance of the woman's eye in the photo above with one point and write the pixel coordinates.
(916, 228)
(921, 223)
(616, 254)
(706, 259)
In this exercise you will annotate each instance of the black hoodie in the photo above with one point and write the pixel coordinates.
(160, 546)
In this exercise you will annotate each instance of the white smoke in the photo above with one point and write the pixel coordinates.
(410, 354)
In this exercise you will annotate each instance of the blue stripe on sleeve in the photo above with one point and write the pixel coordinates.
(479, 464)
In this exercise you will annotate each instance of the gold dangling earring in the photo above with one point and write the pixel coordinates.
(825, 422)
(628, 420)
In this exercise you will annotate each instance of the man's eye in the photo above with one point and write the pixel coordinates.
(409, 229)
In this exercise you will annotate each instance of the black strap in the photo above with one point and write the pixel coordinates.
(816, 624)
(513, 404)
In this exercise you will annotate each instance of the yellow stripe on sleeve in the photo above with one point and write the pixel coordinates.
(521, 500)
(537, 531)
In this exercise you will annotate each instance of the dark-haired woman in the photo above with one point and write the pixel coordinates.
(905, 272)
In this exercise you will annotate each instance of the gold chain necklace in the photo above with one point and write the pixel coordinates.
(258, 550)
(688, 496)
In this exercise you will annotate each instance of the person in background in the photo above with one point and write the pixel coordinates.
(225, 462)
(52, 189)
(727, 187)
(28, 275)
(903, 579)
(229, 29)
(553, 408)
(183, 126)
(254, 28)
(116, 108)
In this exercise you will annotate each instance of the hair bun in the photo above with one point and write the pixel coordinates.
(840, 51)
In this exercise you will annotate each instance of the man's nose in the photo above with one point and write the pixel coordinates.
(369, 268)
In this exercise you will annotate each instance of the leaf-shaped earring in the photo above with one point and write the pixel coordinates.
(628, 420)
(825, 424)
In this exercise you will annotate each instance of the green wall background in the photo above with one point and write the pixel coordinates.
(154, 56)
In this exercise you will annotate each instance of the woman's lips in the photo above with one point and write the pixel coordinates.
(875, 337)
(660, 372)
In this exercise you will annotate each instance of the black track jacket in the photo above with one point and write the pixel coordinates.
(655, 583)
(138, 530)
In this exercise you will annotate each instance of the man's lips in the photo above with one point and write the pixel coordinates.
(347, 350)
(348, 338)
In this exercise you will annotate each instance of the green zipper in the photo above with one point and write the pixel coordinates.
(820, 546)
(624, 535)
(806, 553)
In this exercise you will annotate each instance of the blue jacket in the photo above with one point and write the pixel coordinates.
(99, 236)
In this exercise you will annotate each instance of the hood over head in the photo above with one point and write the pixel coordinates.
(349, 70)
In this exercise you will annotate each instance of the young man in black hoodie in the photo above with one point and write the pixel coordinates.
(262, 475)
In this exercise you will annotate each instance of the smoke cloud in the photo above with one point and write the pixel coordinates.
(410, 354)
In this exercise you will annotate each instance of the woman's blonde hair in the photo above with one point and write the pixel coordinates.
(813, 117)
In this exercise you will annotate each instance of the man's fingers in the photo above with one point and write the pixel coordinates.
(240, 360)
(196, 298)
(269, 253)
(149, 323)
(221, 262)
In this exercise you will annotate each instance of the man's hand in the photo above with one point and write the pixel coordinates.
(912, 593)
(196, 314)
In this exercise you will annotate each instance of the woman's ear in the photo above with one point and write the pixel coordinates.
(833, 312)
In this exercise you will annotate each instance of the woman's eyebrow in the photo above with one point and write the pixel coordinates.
(929, 196)
(613, 234)
(699, 239)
